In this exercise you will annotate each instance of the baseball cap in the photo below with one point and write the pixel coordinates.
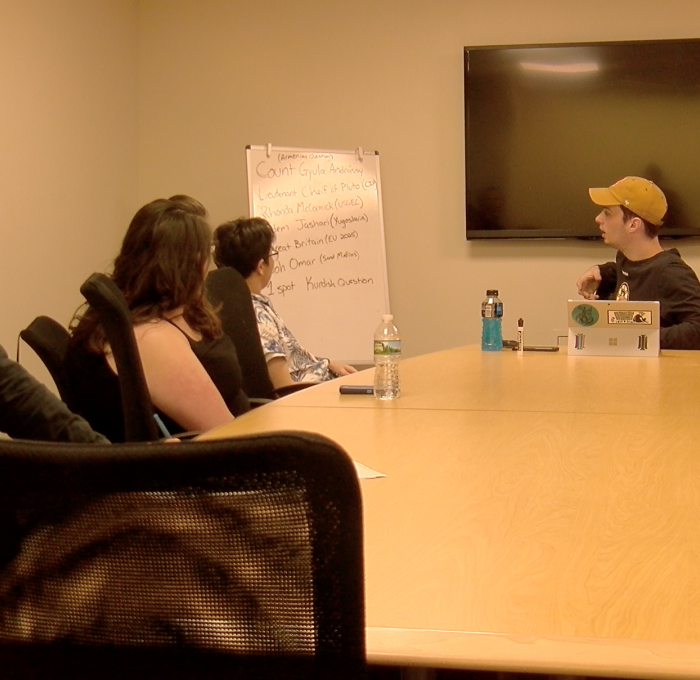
(637, 194)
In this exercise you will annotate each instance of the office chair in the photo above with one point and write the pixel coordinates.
(104, 296)
(238, 558)
(49, 339)
(230, 295)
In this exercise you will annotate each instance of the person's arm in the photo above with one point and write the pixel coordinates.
(279, 372)
(270, 331)
(680, 306)
(178, 383)
(29, 410)
(598, 281)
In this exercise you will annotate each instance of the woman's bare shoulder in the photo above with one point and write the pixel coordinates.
(159, 332)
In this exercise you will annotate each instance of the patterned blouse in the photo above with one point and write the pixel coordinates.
(278, 341)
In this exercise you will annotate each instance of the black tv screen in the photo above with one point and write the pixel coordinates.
(546, 122)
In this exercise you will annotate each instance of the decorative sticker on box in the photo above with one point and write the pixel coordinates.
(585, 315)
(629, 317)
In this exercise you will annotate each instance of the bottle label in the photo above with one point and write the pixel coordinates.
(387, 347)
(492, 311)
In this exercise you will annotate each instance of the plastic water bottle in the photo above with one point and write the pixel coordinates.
(491, 315)
(387, 354)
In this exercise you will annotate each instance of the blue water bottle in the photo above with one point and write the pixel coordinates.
(491, 315)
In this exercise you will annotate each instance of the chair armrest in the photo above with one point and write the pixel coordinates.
(258, 401)
(290, 389)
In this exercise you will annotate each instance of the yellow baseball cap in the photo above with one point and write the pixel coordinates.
(637, 194)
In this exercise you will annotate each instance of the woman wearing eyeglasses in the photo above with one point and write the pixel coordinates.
(247, 246)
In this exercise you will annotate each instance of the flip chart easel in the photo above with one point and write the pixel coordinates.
(329, 283)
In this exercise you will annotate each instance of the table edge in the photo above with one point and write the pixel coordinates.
(533, 654)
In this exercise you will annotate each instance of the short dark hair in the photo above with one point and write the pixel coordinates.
(242, 243)
(651, 230)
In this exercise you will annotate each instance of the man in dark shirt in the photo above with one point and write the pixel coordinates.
(633, 211)
(28, 410)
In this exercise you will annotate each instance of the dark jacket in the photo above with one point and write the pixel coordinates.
(666, 278)
(28, 410)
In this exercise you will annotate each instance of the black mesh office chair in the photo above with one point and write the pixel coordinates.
(105, 297)
(239, 558)
(49, 339)
(228, 291)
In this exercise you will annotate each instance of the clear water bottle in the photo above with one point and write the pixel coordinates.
(491, 315)
(387, 354)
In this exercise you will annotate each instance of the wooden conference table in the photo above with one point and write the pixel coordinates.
(540, 513)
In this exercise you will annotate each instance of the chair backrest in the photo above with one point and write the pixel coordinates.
(181, 560)
(49, 339)
(104, 296)
(227, 290)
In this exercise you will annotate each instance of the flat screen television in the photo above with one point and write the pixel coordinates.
(545, 122)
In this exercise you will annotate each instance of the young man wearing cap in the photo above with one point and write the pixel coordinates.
(633, 211)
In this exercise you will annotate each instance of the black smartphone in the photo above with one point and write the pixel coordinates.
(356, 389)
(537, 348)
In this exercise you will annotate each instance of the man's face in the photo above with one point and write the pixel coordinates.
(269, 266)
(613, 226)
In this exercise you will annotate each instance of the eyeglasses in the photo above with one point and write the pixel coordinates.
(274, 253)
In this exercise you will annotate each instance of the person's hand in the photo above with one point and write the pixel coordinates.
(341, 369)
(588, 284)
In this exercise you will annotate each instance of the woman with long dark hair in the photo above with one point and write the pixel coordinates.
(191, 368)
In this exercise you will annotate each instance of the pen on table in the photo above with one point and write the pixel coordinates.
(161, 426)
(521, 341)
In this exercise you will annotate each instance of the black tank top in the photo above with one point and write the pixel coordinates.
(220, 361)
(96, 394)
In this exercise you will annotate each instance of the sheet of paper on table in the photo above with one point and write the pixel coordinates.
(363, 472)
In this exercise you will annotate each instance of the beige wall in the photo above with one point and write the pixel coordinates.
(217, 75)
(68, 151)
(107, 104)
